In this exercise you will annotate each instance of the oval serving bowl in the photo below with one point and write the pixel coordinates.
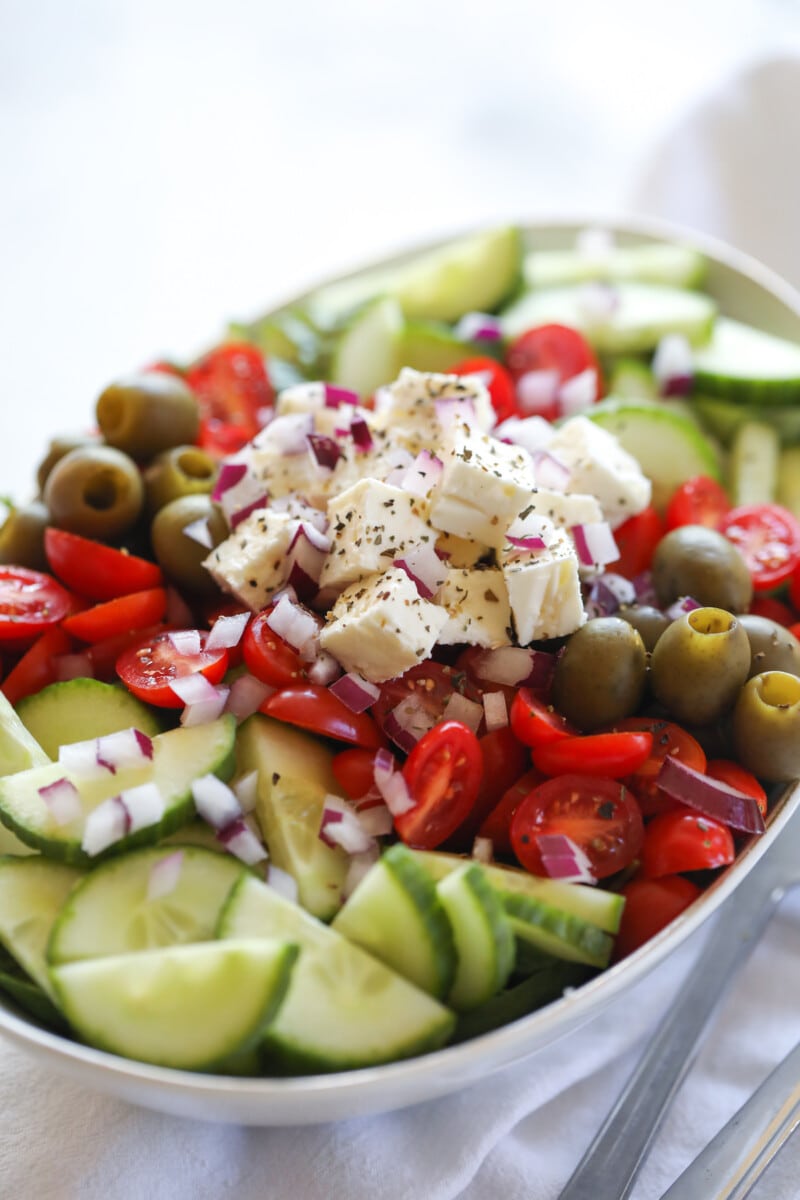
(745, 290)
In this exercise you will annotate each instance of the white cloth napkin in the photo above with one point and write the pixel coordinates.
(519, 1133)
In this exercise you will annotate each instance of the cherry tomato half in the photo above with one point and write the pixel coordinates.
(668, 738)
(443, 773)
(768, 537)
(269, 657)
(683, 840)
(536, 723)
(354, 771)
(114, 617)
(504, 760)
(426, 687)
(650, 905)
(636, 540)
(149, 666)
(738, 777)
(611, 754)
(497, 825)
(97, 571)
(30, 603)
(600, 815)
(311, 706)
(552, 348)
(37, 667)
(699, 501)
(234, 392)
(498, 381)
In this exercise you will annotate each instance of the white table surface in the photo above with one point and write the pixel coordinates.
(167, 165)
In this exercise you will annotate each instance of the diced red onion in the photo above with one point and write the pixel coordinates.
(355, 692)
(193, 688)
(335, 396)
(246, 696)
(324, 669)
(207, 709)
(391, 784)
(359, 866)
(537, 391)
(563, 859)
(550, 471)
(424, 568)
(215, 802)
(578, 393)
(306, 557)
(62, 800)
(308, 531)
(241, 514)
(164, 875)
(496, 710)
(178, 611)
(598, 301)
(245, 790)
(144, 805)
(199, 532)
(673, 365)
(288, 433)
(460, 708)
(644, 588)
(325, 450)
(292, 623)
(341, 827)
(452, 408)
(681, 607)
(515, 666)
(608, 593)
(423, 474)
(227, 631)
(527, 543)
(408, 720)
(483, 849)
(73, 666)
(230, 473)
(105, 825)
(383, 766)
(283, 883)
(362, 436)
(709, 796)
(239, 839)
(376, 821)
(399, 460)
(595, 543)
(81, 757)
(185, 641)
(532, 433)
(125, 748)
(479, 327)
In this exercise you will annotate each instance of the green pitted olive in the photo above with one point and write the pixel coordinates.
(181, 471)
(180, 555)
(699, 562)
(766, 726)
(95, 491)
(22, 536)
(600, 675)
(699, 665)
(147, 413)
(59, 446)
(651, 622)
(772, 646)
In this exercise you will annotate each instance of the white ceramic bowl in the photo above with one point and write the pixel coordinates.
(744, 289)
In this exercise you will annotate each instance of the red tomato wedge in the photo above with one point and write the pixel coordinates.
(443, 773)
(30, 603)
(683, 840)
(313, 707)
(699, 501)
(504, 759)
(148, 667)
(552, 348)
(611, 754)
(269, 657)
(97, 571)
(235, 395)
(104, 655)
(497, 825)
(354, 771)
(536, 723)
(636, 540)
(600, 815)
(668, 738)
(114, 617)
(768, 537)
(650, 905)
(37, 667)
(497, 380)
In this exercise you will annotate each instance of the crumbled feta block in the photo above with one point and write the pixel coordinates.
(381, 626)
(483, 486)
(251, 563)
(477, 608)
(371, 524)
(565, 508)
(544, 590)
(599, 465)
(300, 398)
(407, 407)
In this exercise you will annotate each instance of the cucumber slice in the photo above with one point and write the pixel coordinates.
(428, 346)
(745, 364)
(19, 749)
(753, 464)
(546, 985)
(789, 480)
(395, 914)
(344, 1009)
(645, 313)
(483, 936)
(79, 709)
(474, 273)
(294, 777)
(179, 757)
(27, 995)
(631, 379)
(188, 1007)
(32, 893)
(110, 911)
(366, 354)
(591, 904)
(649, 262)
(667, 444)
(723, 418)
(556, 932)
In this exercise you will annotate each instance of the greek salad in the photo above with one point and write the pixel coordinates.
(411, 656)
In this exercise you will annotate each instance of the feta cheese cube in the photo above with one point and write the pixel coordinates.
(565, 509)
(478, 612)
(381, 626)
(407, 407)
(252, 564)
(544, 590)
(371, 524)
(599, 465)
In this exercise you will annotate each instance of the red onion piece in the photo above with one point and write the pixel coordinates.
(73, 666)
(681, 607)
(709, 796)
(239, 839)
(80, 757)
(230, 473)
(283, 883)
(460, 708)
(424, 568)
(423, 474)
(396, 795)
(409, 720)
(336, 396)
(144, 805)
(199, 532)
(483, 849)
(383, 767)
(673, 365)
(164, 875)
(515, 666)
(608, 593)
(324, 669)
(325, 450)
(362, 436)
(240, 514)
(537, 391)
(62, 800)
(595, 543)
(227, 631)
(246, 696)
(359, 866)
(193, 688)
(479, 327)
(527, 543)
(550, 471)
(292, 623)
(215, 802)
(185, 641)
(531, 433)
(245, 790)
(355, 692)
(496, 710)
(563, 859)
(341, 827)
(207, 709)
(578, 393)
(452, 408)
(288, 433)
(645, 591)
(105, 825)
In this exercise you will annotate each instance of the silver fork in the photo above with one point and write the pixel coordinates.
(610, 1165)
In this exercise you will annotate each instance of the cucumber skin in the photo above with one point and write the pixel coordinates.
(583, 942)
(84, 698)
(32, 1000)
(541, 988)
(419, 884)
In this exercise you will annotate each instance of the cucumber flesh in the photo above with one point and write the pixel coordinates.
(188, 1007)
(644, 314)
(366, 354)
(723, 418)
(631, 379)
(19, 749)
(678, 266)
(344, 1009)
(179, 757)
(742, 363)
(789, 479)
(112, 912)
(395, 914)
(79, 709)
(753, 464)
(33, 891)
(557, 933)
(483, 936)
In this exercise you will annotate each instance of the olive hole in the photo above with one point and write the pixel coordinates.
(779, 689)
(195, 465)
(711, 620)
(101, 493)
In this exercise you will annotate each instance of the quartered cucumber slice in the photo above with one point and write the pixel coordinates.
(294, 777)
(179, 757)
(753, 464)
(483, 936)
(668, 445)
(396, 914)
(33, 891)
(631, 379)
(19, 749)
(644, 314)
(723, 418)
(366, 354)
(112, 911)
(648, 262)
(79, 709)
(745, 364)
(591, 904)
(545, 985)
(430, 346)
(557, 932)
(344, 1008)
(188, 1007)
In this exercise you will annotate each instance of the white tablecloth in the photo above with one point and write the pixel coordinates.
(167, 165)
